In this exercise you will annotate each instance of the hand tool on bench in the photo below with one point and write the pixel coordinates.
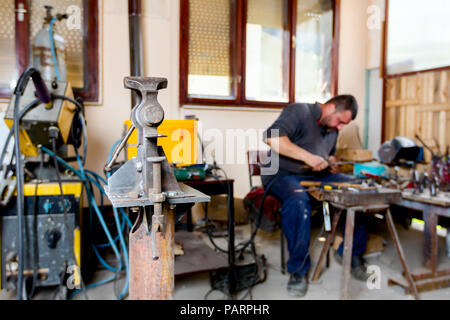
(335, 185)
(333, 164)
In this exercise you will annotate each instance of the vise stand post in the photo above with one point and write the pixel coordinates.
(146, 185)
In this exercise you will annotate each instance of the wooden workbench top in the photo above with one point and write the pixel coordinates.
(441, 199)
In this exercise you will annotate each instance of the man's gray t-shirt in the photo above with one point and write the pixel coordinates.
(300, 123)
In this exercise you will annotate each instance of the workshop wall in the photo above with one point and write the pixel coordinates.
(352, 65)
(161, 58)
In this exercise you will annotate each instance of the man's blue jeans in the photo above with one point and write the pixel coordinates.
(296, 218)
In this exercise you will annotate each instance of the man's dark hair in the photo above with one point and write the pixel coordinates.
(345, 102)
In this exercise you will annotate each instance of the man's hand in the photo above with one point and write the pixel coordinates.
(317, 163)
(284, 146)
(333, 168)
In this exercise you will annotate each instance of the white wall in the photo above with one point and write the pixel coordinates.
(161, 50)
(352, 53)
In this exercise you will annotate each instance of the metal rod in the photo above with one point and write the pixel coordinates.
(136, 48)
(119, 148)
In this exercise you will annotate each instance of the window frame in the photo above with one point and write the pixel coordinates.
(90, 91)
(238, 51)
(385, 53)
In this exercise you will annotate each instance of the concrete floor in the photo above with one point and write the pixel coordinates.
(195, 287)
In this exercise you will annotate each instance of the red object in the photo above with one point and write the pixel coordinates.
(271, 204)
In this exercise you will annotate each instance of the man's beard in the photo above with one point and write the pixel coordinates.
(326, 122)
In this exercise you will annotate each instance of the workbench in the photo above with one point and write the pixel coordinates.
(360, 201)
(432, 208)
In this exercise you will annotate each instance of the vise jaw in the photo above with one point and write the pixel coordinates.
(134, 183)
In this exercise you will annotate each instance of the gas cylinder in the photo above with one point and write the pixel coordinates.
(43, 59)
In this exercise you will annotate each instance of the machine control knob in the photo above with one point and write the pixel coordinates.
(52, 237)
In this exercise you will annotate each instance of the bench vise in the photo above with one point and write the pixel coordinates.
(147, 185)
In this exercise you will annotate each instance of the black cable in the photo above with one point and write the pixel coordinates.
(80, 112)
(207, 221)
(208, 232)
(35, 224)
(249, 242)
(66, 222)
(42, 92)
(20, 198)
(259, 218)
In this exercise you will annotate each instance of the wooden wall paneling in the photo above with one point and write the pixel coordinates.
(411, 121)
(429, 134)
(443, 87)
(419, 104)
(431, 88)
(443, 131)
(421, 88)
(419, 124)
(402, 121)
(412, 83)
(403, 108)
(447, 137)
(391, 118)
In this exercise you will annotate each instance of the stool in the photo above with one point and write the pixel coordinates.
(348, 244)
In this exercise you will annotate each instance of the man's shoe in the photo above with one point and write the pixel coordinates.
(297, 285)
(358, 267)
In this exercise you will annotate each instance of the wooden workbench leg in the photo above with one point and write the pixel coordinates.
(347, 258)
(430, 246)
(326, 246)
(401, 255)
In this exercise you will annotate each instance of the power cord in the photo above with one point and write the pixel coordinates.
(53, 134)
(254, 278)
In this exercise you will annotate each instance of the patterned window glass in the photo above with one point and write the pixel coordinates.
(313, 50)
(209, 49)
(8, 71)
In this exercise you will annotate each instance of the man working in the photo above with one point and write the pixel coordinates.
(307, 134)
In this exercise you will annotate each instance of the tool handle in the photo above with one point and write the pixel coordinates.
(336, 184)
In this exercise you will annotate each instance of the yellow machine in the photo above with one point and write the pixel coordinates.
(49, 231)
(51, 227)
(180, 145)
(35, 123)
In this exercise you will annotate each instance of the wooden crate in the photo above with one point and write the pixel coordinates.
(358, 155)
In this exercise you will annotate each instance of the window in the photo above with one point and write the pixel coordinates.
(258, 52)
(20, 22)
(429, 46)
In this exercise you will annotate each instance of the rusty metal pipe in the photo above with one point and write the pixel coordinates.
(136, 48)
(156, 177)
(153, 279)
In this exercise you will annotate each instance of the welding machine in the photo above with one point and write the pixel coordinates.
(49, 246)
(41, 222)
